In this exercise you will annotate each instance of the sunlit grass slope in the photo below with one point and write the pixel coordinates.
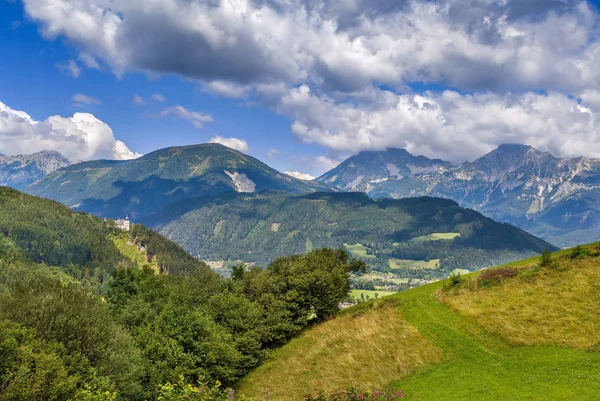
(533, 336)
(131, 251)
(372, 345)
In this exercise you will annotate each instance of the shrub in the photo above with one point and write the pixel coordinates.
(546, 260)
(454, 281)
(493, 277)
(579, 252)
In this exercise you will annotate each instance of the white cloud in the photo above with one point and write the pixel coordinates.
(326, 163)
(345, 45)
(138, 100)
(80, 100)
(505, 53)
(300, 176)
(273, 152)
(226, 89)
(197, 119)
(448, 125)
(89, 61)
(80, 137)
(158, 97)
(69, 67)
(233, 143)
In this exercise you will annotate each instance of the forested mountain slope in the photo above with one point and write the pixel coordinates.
(43, 231)
(260, 227)
(139, 187)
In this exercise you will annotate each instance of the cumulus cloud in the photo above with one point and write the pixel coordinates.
(195, 118)
(449, 124)
(138, 100)
(80, 137)
(300, 176)
(345, 45)
(233, 143)
(158, 97)
(70, 68)
(515, 66)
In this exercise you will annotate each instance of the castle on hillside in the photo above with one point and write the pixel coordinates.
(123, 224)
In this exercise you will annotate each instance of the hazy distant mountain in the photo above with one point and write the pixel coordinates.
(143, 186)
(556, 199)
(21, 170)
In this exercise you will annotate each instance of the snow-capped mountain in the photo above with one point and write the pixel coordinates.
(556, 199)
(21, 170)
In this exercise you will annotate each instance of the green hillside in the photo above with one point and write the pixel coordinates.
(90, 312)
(526, 331)
(43, 231)
(109, 188)
(261, 227)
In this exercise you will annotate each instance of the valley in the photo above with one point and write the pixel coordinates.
(225, 207)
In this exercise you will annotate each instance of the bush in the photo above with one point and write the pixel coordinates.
(454, 281)
(579, 252)
(489, 278)
(546, 260)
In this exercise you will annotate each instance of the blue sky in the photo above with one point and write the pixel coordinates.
(32, 82)
(500, 71)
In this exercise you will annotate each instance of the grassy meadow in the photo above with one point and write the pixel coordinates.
(417, 264)
(359, 251)
(132, 252)
(534, 335)
(436, 237)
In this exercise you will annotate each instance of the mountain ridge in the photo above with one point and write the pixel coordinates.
(557, 199)
(142, 186)
(18, 171)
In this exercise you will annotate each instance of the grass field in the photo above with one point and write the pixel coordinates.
(533, 337)
(359, 251)
(462, 272)
(356, 293)
(418, 264)
(436, 237)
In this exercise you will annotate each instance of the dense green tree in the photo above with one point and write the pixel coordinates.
(68, 314)
(31, 368)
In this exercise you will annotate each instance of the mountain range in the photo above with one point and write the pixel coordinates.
(222, 205)
(555, 199)
(21, 170)
(145, 186)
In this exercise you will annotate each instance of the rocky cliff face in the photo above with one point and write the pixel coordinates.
(557, 199)
(21, 170)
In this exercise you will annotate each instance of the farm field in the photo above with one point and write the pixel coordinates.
(359, 251)
(436, 237)
(532, 336)
(462, 272)
(418, 264)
